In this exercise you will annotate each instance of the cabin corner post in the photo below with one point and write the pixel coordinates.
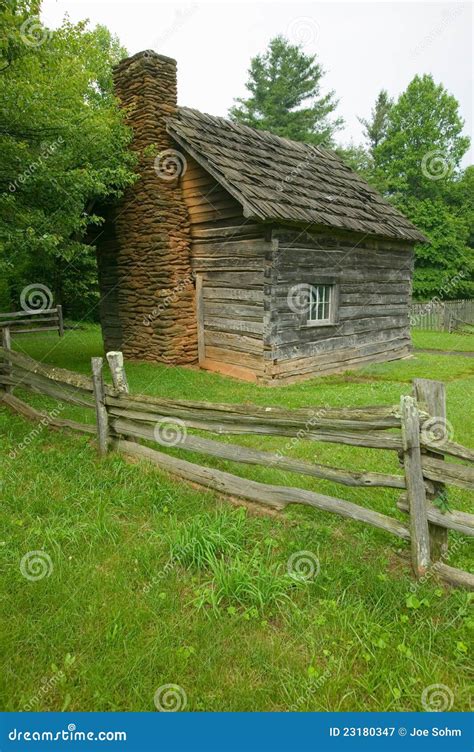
(102, 420)
(415, 485)
(7, 345)
(117, 369)
(432, 394)
(270, 282)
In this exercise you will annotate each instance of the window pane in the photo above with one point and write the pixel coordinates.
(320, 302)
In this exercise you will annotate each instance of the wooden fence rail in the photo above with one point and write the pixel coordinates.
(412, 429)
(29, 322)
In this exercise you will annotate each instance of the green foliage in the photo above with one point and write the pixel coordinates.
(416, 164)
(285, 96)
(423, 144)
(375, 129)
(64, 154)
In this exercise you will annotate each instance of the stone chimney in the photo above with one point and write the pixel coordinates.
(144, 255)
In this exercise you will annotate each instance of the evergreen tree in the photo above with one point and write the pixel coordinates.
(285, 96)
(375, 129)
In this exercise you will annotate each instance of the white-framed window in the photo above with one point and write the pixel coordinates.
(321, 304)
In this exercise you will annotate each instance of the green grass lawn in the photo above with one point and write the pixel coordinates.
(460, 342)
(153, 581)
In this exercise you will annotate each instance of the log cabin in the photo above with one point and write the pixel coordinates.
(243, 252)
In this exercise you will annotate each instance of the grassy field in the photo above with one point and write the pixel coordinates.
(152, 582)
(443, 341)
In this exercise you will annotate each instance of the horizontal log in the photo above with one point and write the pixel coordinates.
(50, 372)
(447, 447)
(236, 453)
(453, 576)
(386, 416)
(275, 496)
(373, 441)
(227, 293)
(23, 322)
(18, 406)
(459, 521)
(22, 314)
(446, 472)
(364, 418)
(241, 230)
(22, 379)
(36, 329)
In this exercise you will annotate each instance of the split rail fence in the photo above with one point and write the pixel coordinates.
(28, 322)
(415, 430)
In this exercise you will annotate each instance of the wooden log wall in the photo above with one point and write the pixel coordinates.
(374, 284)
(228, 254)
(144, 253)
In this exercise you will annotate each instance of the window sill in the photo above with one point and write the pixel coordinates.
(318, 324)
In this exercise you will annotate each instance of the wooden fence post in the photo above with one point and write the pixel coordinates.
(416, 495)
(7, 345)
(433, 395)
(117, 369)
(59, 309)
(100, 408)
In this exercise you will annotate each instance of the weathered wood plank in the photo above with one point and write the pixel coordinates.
(50, 372)
(374, 441)
(21, 407)
(262, 493)
(236, 453)
(102, 420)
(453, 576)
(39, 384)
(416, 494)
(433, 396)
(117, 369)
(306, 419)
(454, 520)
(445, 472)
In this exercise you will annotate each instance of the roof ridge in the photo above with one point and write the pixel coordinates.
(242, 126)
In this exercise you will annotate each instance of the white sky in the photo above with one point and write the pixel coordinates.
(364, 46)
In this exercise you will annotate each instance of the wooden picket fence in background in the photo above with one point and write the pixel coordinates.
(443, 315)
(415, 430)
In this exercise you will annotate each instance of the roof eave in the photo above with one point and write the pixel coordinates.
(249, 211)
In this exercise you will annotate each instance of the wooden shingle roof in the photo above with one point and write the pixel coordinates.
(282, 180)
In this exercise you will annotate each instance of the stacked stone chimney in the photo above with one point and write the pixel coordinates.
(144, 254)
